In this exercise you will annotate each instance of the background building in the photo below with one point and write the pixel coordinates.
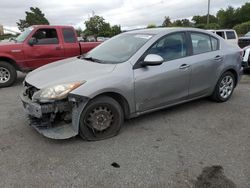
(1, 30)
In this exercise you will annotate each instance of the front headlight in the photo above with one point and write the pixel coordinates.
(56, 92)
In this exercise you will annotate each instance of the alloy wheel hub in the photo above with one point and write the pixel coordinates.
(226, 87)
(4, 75)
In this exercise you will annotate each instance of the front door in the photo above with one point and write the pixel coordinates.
(47, 48)
(165, 84)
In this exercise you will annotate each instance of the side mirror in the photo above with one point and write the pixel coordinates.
(152, 60)
(32, 41)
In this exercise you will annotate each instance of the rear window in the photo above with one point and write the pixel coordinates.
(203, 43)
(69, 35)
(230, 35)
(215, 43)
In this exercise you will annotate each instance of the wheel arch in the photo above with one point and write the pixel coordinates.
(11, 61)
(120, 99)
(234, 73)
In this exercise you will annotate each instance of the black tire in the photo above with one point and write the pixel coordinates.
(102, 118)
(8, 74)
(217, 94)
(246, 71)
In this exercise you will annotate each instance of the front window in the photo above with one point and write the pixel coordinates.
(170, 47)
(24, 34)
(118, 49)
(46, 36)
(221, 34)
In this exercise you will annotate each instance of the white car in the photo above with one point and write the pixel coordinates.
(246, 58)
(229, 35)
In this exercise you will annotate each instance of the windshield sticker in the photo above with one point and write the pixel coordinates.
(143, 36)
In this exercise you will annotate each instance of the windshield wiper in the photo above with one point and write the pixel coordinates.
(92, 59)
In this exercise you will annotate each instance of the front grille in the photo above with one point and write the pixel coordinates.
(244, 42)
(29, 90)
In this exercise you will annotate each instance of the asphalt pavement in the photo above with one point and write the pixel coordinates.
(174, 148)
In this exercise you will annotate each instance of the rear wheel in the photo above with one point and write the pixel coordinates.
(102, 118)
(224, 87)
(7, 74)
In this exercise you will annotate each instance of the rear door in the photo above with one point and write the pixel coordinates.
(165, 84)
(205, 63)
(47, 49)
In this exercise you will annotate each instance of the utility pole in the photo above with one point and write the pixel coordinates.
(208, 12)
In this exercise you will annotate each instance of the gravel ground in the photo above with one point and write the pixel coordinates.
(169, 148)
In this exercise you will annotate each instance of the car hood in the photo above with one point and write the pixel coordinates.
(67, 71)
(6, 46)
(244, 38)
(246, 47)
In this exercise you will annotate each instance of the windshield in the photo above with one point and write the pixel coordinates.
(118, 49)
(248, 34)
(24, 34)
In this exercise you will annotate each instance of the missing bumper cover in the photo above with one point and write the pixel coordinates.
(57, 120)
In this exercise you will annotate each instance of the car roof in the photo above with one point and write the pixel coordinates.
(52, 26)
(224, 30)
(164, 30)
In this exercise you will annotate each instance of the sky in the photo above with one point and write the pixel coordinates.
(130, 14)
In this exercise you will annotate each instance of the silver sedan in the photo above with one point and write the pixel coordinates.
(129, 75)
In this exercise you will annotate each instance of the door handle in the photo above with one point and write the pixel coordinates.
(184, 66)
(218, 58)
(58, 48)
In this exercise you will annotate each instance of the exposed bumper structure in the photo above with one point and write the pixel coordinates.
(56, 120)
(246, 59)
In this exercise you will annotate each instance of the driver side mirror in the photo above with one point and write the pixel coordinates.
(152, 60)
(32, 41)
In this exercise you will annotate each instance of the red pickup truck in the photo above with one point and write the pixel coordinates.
(37, 46)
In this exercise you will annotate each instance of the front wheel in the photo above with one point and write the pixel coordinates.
(224, 87)
(102, 118)
(7, 74)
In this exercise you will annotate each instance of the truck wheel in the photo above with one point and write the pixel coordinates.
(224, 87)
(7, 74)
(102, 118)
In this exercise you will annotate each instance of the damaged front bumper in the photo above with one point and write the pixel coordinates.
(58, 119)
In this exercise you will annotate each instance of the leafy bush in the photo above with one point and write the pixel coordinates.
(212, 26)
(242, 28)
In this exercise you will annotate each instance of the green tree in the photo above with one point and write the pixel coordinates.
(177, 23)
(97, 26)
(34, 17)
(227, 18)
(182, 23)
(186, 23)
(151, 26)
(167, 22)
(203, 19)
(115, 30)
(79, 31)
(242, 14)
